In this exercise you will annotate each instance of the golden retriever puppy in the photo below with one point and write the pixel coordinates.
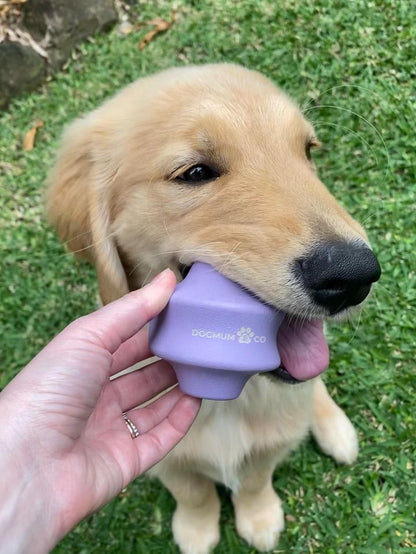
(212, 163)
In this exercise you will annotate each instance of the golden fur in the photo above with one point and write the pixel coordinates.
(114, 199)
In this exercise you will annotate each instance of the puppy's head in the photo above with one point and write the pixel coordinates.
(209, 163)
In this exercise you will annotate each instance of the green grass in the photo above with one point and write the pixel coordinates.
(357, 58)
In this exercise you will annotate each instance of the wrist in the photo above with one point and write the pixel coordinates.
(27, 521)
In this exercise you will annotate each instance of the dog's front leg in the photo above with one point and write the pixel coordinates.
(258, 512)
(195, 522)
(331, 428)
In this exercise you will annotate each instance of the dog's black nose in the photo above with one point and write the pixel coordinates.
(339, 274)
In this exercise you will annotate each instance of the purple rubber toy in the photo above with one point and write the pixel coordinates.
(215, 334)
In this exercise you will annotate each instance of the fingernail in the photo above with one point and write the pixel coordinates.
(160, 276)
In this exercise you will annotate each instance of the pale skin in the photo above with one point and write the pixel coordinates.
(65, 448)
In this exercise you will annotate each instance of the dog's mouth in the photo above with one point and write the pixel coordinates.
(302, 347)
(282, 374)
(184, 269)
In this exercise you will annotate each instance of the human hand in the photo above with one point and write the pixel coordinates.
(67, 445)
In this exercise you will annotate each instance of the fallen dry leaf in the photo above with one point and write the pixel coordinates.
(10, 10)
(160, 25)
(29, 140)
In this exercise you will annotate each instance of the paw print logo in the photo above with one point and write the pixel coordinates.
(245, 334)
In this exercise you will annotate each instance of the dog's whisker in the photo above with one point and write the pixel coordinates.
(374, 295)
(348, 110)
(358, 135)
(79, 235)
(203, 247)
(380, 285)
(147, 277)
(368, 217)
(231, 256)
(336, 87)
(165, 226)
(187, 250)
(136, 266)
(92, 245)
(355, 327)
(378, 305)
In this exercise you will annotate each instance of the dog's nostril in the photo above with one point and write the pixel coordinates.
(339, 274)
(330, 284)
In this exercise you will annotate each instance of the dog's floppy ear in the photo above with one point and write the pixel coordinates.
(78, 203)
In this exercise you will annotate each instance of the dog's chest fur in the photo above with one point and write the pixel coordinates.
(268, 416)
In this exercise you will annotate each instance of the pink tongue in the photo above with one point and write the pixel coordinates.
(303, 349)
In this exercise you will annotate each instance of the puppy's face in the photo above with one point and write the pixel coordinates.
(213, 164)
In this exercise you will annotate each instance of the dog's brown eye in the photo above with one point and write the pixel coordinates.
(310, 145)
(198, 174)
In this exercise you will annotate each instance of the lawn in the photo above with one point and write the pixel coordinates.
(351, 66)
